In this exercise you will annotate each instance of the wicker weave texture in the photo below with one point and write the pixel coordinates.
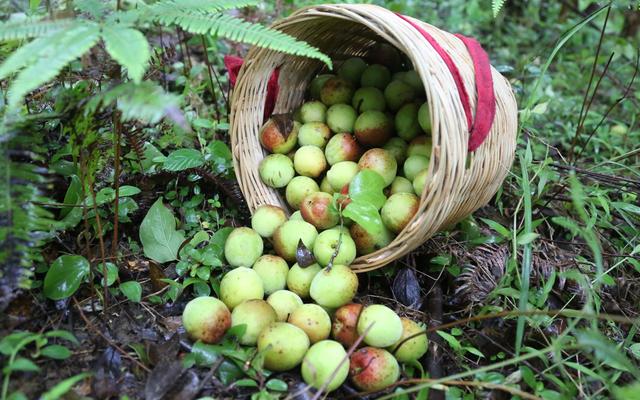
(458, 182)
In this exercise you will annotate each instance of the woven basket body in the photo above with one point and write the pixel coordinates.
(459, 182)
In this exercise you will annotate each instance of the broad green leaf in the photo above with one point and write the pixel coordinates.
(62, 334)
(158, 234)
(129, 48)
(182, 159)
(220, 156)
(73, 195)
(56, 351)
(21, 364)
(64, 276)
(504, 232)
(278, 385)
(365, 215)
(132, 290)
(108, 195)
(628, 207)
(61, 388)
(112, 272)
(150, 152)
(629, 392)
(205, 354)
(605, 350)
(526, 238)
(366, 187)
(635, 350)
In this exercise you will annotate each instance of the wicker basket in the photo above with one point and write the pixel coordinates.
(459, 182)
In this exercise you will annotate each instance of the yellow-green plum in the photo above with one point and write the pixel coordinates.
(314, 134)
(352, 69)
(380, 161)
(313, 320)
(373, 369)
(401, 185)
(286, 238)
(382, 325)
(368, 99)
(406, 122)
(336, 91)
(299, 188)
(420, 146)
(299, 279)
(327, 243)
(341, 118)
(398, 149)
(317, 83)
(277, 136)
(296, 115)
(334, 287)
(243, 247)
(309, 161)
(325, 366)
(420, 181)
(410, 350)
(206, 319)
(345, 320)
(373, 128)
(375, 75)
(266, 219)
(276, 170)
(284, 302)
(413, 165)
(313, 111)
(283, 346)
(256, 315)
(273, 271)
(413, 79)
(318, 210)
(325, 186)
(296, 216)
(398, 93)
(424, 118)
(341, 173)
(398, 210)
(240, 284)
(342, 147)
(366, 242)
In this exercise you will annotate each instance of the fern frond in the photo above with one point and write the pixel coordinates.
(496, 6)
(146, 102)
(129, 47)
(55, 52)
(31, 28)
(204, 5)
(237, 30)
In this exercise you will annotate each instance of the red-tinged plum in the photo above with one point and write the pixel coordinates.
(424, 118)
(406, 122)
(401, 185)
(413, 165)
(278, 136)
(368, 99)
(366, 242)
(344, 328)
(299, 188)
(325, 365)
(373, 369)
(334, 287)
(317, 210)
(375, 75)
(336, 91)
(410, 350)
(273, 271)
(206, 319)
(243, 247)
(283, 346)
(398, 210)
(341, 174)
(314, 134)
(327, 243)
(382, 325)
(286, 238)
(299, 279)
(373, 128)
(256, 315)
(276, 170)
(313, 111)
(342, 147)
(420, 181)
(309, 161)
(240, 284)
(266, 219)
(380, 161)
(398, 148)
(313, 320)
(284, 302)
(420, 146)
(341, 118)
(352, 69)
(398, 93)
(317, 83)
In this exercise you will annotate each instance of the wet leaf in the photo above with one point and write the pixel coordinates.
(64, 276)
(163, 377)
(132, 290)
(406, 288)
(365, 215)
(304, 256)
(366, 187)
(277, 385)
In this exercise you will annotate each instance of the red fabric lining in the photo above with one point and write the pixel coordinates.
(233, 65)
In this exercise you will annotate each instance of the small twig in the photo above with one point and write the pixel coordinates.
(102, 248)
(116, 181)
(216, 106)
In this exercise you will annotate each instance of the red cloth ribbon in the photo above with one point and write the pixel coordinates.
(486, 107)
(233, 65)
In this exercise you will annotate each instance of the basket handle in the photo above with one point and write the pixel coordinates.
(486, 107)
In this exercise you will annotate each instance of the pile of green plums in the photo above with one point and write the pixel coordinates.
(363, 117)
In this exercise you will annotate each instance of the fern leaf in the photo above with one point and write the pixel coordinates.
(59, 50)
(239, 31)
(205, 5)
(129, 48)
(31, 28)
(496, 6)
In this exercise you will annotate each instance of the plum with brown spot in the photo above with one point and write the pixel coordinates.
(206, 319)
(373, 128)
(344, 327)
(373, 369)
(278, 135)
(317, 210)
(342, 147)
